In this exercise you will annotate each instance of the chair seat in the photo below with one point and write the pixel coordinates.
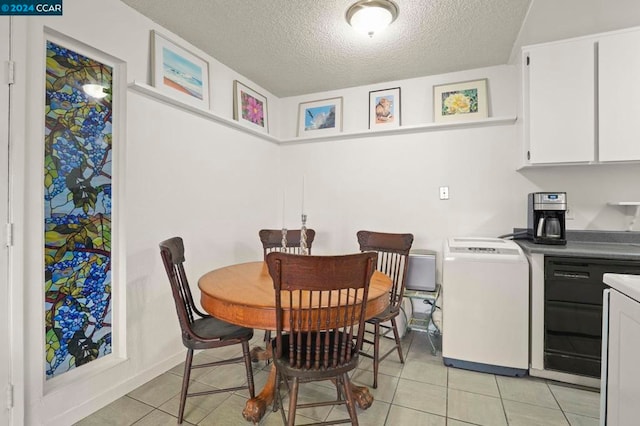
(385, 315)
(302, 371)
(213, 328)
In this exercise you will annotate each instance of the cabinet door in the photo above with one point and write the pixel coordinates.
(618, 95)
(623, 371)
(561, 102)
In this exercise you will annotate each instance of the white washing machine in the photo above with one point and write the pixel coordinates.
(485, 306)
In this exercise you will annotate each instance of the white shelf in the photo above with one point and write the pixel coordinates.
(635, 205)
(625, 203)
(154, 93)
(421, 128)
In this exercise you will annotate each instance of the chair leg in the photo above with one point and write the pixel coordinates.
(351, 404)
(185, 384)
(277, 398)
(396, 336)
(376, 354)
(247, 364)
(293, 401)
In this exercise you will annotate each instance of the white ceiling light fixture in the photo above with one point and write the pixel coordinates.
(372, 16)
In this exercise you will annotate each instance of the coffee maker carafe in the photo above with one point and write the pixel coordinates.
(546, 217)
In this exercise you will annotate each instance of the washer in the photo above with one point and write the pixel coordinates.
(485, 306)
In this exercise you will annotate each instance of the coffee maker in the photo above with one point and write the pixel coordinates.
(546, 217)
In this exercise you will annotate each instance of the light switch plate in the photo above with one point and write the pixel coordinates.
(444, 192)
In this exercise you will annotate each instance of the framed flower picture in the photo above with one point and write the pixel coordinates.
(457, 102)
(178, 72)
(320, 118)
(384, 108)
(250, 107)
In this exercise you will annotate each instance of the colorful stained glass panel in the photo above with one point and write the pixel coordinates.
(77, 213)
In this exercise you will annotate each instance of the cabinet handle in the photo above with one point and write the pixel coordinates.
(579, 275)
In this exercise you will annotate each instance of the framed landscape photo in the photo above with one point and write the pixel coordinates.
(178, 72)
(250, 107)
(458, 102)
(320, 118)
(384, 108)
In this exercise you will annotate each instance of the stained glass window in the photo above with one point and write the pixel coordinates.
(77, 213)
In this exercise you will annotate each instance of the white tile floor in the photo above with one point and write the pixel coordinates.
(421, 392)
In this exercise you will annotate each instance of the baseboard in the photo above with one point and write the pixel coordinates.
(111, 394)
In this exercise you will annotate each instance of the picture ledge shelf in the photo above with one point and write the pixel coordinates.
(154, 93)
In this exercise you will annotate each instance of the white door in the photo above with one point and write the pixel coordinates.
(5, 350)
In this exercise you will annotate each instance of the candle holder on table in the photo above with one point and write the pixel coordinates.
(284, 239)
(303, 236)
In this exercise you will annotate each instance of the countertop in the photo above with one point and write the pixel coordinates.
(625, 284)
(591, 244)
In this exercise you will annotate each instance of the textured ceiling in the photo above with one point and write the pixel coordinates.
(293, 47)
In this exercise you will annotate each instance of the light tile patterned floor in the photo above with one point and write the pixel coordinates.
(422, 391)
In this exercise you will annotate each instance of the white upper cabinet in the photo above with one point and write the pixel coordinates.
(581, 99)
(619, 97)
(561, 102)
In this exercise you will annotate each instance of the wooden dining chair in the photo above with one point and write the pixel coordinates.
(320, 307)
(272, 241)
(393, 260)
(199, 330)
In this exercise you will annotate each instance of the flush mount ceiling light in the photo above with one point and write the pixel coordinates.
(372, 16)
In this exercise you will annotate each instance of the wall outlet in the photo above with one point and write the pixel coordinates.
(568, 215)
(444, 192)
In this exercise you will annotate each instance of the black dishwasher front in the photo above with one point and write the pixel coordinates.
(573, 311)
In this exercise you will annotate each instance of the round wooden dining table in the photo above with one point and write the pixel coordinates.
(243, 294)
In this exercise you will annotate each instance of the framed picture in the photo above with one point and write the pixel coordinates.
(384, 108)
(178, 72)
(318, 118)
(249, 107)
(464, 101)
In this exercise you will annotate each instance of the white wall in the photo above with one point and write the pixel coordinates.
(184, 175)
(217, 186)
(391, 182)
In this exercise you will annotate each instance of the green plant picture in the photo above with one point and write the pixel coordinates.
(77, 212)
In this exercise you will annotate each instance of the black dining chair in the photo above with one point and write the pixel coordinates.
(320, 308)
(199, 330)
(393, 260)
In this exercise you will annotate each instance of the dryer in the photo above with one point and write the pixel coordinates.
(485, 306)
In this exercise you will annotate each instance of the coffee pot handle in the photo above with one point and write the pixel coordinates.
(539, 231)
